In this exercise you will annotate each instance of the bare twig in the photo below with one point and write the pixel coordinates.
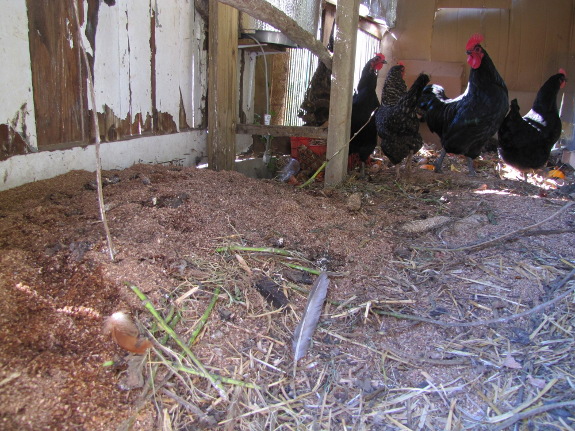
(535, 309)
(542, 232)
(484, 244)
(399, 356)
(532, 412)
(96, 134)
(192, 408)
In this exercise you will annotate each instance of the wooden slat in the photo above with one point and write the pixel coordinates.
(303, 131)
(341, 92)
(279, 87)
(370, 27)
(222, 86)
(475, 4)
(58, 77)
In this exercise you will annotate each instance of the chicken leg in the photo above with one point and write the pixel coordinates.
(439, 162)
(470, 167)
(408, 164)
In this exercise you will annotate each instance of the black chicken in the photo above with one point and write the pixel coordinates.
(397, 120)
(465, 123)
(364, 136)
(525, 142)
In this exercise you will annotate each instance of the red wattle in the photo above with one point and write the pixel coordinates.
(474, 61)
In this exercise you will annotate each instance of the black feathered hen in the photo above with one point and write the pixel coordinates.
(365, 101)
(525, 142)
(466, 123)
(397, 120)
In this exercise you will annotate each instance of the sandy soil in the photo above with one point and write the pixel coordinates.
(58, 284)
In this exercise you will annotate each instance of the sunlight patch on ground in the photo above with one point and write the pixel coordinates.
(537, 178)
(491, 192)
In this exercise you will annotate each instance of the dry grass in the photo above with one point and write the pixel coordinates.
(447, 329)
(521, 381)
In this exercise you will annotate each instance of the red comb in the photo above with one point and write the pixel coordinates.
(400, 63)
(476, 39)
(563, 71)
(380, 55)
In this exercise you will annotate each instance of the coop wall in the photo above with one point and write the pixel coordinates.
(528, 40)
(149, 64)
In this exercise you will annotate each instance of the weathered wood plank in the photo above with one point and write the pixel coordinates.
(264, 11)
(222, 86)
(58, 77)
(341, 92)
(303, 131)
(279, 87)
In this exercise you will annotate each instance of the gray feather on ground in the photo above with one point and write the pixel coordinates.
(310, 318)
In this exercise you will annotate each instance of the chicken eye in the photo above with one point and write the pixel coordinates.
(477, 49)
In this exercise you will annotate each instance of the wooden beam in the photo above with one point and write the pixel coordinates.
(222, 86)
(341, 91)
(474, 4)
(367, 24)
(370, 27)
(303, 131)
(264, 11)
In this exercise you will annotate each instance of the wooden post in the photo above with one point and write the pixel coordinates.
(222, 86)
(346, 20)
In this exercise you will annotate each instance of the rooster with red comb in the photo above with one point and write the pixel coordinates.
(466, 122)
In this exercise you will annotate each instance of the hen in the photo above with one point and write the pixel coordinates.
(396, 119)
(364, 136)
(465, 123)
(525, 142)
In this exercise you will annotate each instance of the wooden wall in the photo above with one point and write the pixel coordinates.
(148, 58)
(528, 40)
(150, 61)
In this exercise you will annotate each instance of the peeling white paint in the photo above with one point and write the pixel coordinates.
(69, 35)
(15, 70)
(122, 69)
(107, 71)
(122, 80)
(182, 148)
(180, 61)
(123, 59)
(136, 57)
(85, 41)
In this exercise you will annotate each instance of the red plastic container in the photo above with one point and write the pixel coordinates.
(320, 149)
(296, 142)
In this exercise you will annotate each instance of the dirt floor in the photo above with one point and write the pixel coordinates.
(417, 268)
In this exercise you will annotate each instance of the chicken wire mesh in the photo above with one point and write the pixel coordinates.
(303, 65)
